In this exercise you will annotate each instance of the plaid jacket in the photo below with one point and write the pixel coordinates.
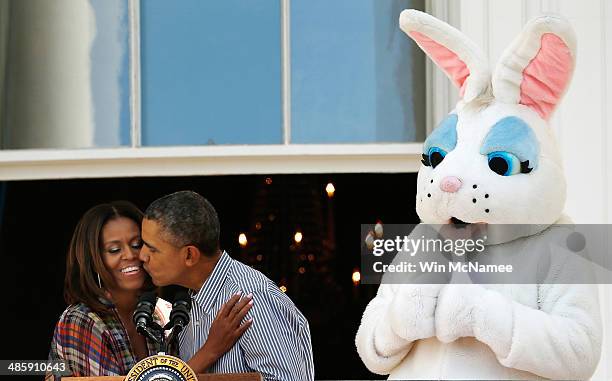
(94, 344)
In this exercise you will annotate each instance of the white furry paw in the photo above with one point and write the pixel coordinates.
(454, 316)
(412, 312)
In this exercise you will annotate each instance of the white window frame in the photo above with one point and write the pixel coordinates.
(285, 158)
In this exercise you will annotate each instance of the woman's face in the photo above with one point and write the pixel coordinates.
(121, 244)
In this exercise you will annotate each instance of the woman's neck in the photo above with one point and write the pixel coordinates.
(125, 301)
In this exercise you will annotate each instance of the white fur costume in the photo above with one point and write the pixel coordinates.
(471, 331)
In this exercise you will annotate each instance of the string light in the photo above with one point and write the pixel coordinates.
(283, 288)
(298, 237)
(242, 240)
(268, 180)
(330, 189)
(378, 229)
(301, 270)
(356, 277)
(369, 240)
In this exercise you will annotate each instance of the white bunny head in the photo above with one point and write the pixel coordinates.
(494, 159)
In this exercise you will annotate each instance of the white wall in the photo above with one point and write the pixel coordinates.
(4, 28)
(48, 74)
(582, 122)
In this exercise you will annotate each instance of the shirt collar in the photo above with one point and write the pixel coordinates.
(106, 302)
(205, 297)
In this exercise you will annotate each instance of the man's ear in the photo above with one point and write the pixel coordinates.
(192, 255)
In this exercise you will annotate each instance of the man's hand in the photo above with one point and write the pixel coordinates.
(224, 331)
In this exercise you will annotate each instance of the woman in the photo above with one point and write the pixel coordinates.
(95, 335)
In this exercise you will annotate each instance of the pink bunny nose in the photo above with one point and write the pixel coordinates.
(450, 184)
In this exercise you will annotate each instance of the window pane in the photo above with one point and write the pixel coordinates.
(356, 77)
(67, 74)
(211, 72)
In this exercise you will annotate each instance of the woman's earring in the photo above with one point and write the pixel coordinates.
(99, 281)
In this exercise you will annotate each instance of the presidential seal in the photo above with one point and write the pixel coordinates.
(161, 368)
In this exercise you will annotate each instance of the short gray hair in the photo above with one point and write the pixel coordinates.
(187, 218)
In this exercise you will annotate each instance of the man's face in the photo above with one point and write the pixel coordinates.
(163, 261)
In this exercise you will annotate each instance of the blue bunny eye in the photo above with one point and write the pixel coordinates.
(441, 141)
(434, 156)
(511, 134)
(504, 163)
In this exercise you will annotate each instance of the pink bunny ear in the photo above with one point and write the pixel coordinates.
(536, 69)
(461, 60)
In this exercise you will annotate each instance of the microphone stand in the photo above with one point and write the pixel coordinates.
(163, 361)
(156, 333)
(176, 329)
(179, 318)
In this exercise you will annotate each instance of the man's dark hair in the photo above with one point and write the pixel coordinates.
(186, 218)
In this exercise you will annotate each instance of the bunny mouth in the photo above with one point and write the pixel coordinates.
(456, 221)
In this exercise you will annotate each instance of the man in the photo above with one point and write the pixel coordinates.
(180, 234)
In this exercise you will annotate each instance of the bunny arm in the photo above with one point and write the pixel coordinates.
(561, 340)
(392, 321)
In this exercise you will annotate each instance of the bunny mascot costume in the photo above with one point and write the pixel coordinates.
(493, 160)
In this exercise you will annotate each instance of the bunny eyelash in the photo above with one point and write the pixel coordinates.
(425, 160)
(525, 167)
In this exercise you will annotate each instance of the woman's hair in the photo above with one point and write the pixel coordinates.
(84, 262)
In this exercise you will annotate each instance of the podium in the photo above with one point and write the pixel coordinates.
(201, 377)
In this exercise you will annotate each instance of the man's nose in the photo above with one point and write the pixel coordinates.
(450, 184)
(143, 255)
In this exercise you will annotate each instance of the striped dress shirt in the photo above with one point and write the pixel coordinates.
(277, 344)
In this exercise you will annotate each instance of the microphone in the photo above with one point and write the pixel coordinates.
(179, 316)
(143, 315)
